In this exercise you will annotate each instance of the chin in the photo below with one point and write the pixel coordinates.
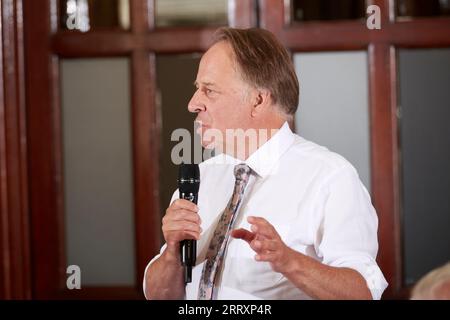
(212, 145)
(208, 144)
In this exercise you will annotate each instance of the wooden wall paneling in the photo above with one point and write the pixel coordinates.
(14, 224)
(384, 160)
(44, 170)
(242, 13)
(381, 46)
(146, 137)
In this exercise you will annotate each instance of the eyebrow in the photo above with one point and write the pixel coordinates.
(208, 84)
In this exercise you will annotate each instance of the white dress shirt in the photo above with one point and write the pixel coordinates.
(314, 199)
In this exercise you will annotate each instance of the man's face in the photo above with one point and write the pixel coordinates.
(221, 100)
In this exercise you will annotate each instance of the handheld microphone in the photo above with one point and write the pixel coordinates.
(188, 185)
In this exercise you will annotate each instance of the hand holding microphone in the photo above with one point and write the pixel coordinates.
(182, 222)
(188, 185)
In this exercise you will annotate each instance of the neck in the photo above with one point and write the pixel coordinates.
(243, 143)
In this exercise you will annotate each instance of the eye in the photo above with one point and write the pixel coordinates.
(207, 91)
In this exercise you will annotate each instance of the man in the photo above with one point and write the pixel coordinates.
(280, 219)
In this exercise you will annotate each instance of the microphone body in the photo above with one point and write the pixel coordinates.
(188, 185)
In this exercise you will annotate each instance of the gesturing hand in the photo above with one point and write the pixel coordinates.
(267, 243)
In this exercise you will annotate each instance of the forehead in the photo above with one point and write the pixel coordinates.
(217, 63)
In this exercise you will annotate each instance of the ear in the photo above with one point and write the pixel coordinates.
(261, 101)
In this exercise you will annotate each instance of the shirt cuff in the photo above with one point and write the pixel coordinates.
(370, 271)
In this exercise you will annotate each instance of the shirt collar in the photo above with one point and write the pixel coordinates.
(265, 159)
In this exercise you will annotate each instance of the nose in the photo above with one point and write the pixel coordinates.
(195, 105)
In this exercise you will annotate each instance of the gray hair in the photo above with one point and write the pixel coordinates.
(264, 63)
(434, 286)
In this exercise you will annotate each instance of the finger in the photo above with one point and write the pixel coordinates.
(264, 229)
(177, 236)
(184, 214)
(184, 204)
(261, 246)
(259, 221)
(191, 235)
(243, 234)
(266, 256)
(259, 236)
(182, 226)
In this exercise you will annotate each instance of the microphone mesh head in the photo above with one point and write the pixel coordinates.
(189, 178)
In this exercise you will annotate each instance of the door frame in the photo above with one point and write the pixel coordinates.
(382, 49)
(140, 44)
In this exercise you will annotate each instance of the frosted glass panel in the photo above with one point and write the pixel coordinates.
(310, 10)
(191, 13)
(425, 158)
(333, 109)
(90, 15)
(98, 184)
(422, 8)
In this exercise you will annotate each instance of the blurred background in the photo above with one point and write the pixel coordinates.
(93, 89)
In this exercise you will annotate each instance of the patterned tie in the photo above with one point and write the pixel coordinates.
(218, 244)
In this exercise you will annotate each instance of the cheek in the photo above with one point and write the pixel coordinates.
(229, 114)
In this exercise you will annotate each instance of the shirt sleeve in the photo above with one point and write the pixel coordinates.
(348, 230)
(174, 197)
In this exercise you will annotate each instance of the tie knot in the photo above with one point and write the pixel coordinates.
(242, 172)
